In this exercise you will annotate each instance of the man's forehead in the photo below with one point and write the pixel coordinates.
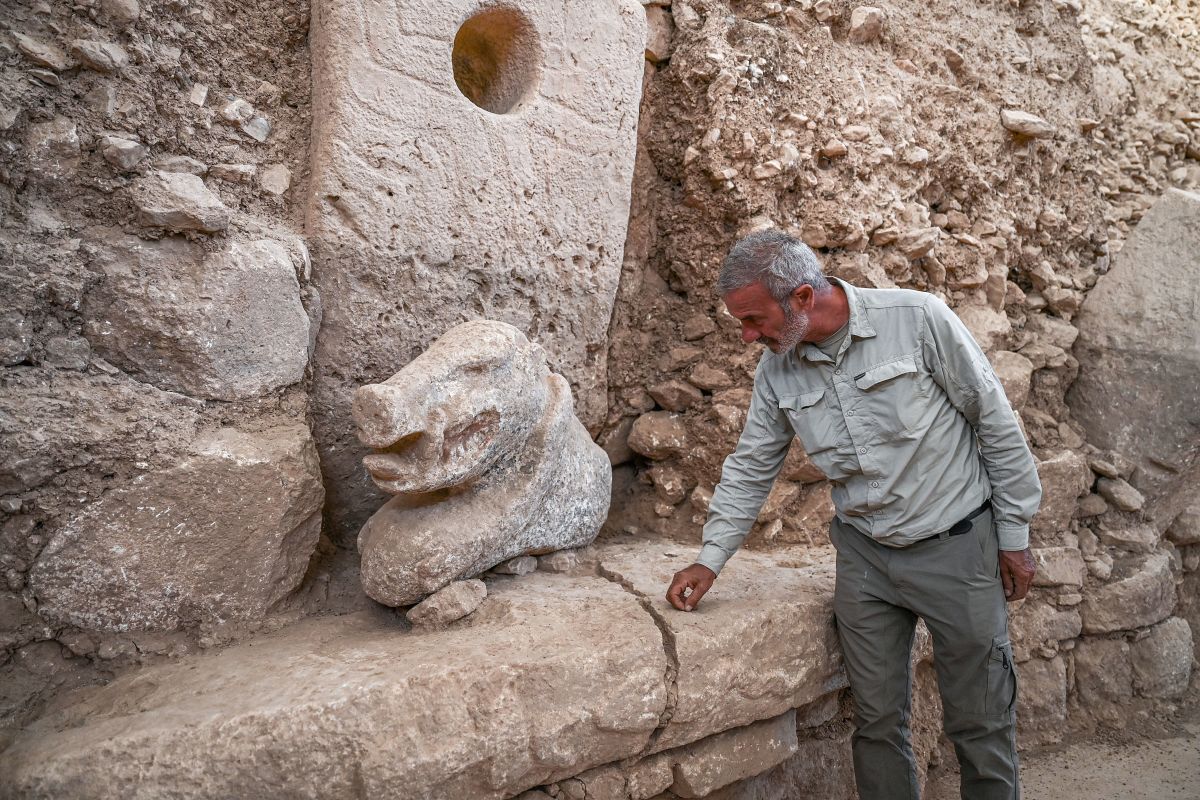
(747, 300)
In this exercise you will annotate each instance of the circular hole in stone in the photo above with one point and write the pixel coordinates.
(497, 59)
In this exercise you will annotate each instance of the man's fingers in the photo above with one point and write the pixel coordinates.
(694, 598)
(1006, 578)
(675, 592)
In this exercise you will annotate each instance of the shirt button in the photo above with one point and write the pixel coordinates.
(849, 413)
(837, 372)
(874, 484)
(863, 449)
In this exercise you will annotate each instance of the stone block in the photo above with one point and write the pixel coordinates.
(477, 158)
(554, 676)
(479, 443)
(178, 202)
(1103, 678)
(224, 535)
(1065, 477)
(1162, 661)
(1141, 593)
(1138, 366)
(224, 325)
(658, 435)
(791, 641)
(1035, 625)
(703, 767)
(1059, 566)
(448, 604)
(1042, 700)
(1185, 528)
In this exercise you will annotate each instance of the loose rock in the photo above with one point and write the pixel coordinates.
(102, 57)
(448, 604)
(124, 154)
(1026, 124)
(43, 54)
(866, 23)
(178, 202)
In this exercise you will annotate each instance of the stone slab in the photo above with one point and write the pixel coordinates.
(762, 640)
(552, 676)
(426, 209)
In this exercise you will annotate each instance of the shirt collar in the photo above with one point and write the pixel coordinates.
(860, 324)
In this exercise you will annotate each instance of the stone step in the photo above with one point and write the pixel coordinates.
(552, 676)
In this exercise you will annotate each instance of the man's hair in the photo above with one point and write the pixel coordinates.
(780, 262)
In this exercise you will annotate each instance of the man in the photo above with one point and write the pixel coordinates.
(934, 488)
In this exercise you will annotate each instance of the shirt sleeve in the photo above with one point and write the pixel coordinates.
(746, 477)
(963, 371)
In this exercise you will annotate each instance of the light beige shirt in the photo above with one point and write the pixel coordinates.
(909, 422)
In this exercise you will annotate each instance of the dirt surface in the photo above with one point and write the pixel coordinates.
(1165, 767)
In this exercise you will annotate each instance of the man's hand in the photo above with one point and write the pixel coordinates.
(689, 585)
(1016, 572)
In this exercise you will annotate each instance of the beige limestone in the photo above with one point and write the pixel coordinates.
(1142, 592)
(223, 535)
(427, 207)
(790, 642)
(554, 676)
(1137, 348)
(709, 764)
(478, 441)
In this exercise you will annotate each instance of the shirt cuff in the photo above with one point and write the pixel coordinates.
(1012, 536)
(712, 557)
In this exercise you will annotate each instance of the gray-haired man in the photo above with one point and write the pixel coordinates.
(934, 487)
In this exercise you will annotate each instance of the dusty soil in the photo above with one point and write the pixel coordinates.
(1120, 766)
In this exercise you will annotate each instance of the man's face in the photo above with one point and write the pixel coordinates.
(764, 320)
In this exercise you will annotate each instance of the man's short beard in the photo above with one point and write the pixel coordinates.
(795, 328)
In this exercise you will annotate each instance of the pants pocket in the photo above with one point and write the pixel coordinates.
(1001, 696)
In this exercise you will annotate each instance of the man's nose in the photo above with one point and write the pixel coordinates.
(749, 335)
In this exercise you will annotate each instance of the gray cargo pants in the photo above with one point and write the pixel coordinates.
(953, 583)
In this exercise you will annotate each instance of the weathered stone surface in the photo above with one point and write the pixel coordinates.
(675, 395)
(866, 23)
(791, 641)
(104, 57)
(1138, 359)
(1059, 566)
(1014, 371)
(1065, 477)
(1134, 538)
(558, 561)
(223, 535)
(57, 421)
(703, 767)
(52, 148)
(1035, 625)
(275, 179)
(521, 565)
(123, 12)
(450, 603)
(479, 442)
(661, 30)
(178, 202)
(1042, 700)
(1142, 593)
(224, 325)
(554, 676)
(124, 154)
(16, 338)
(1103, 678)
(1120, 494)
(1185, 529)
(641, 780)
(658, 435)
(1162, 662)
(1025, 124)
(42, 53)
(490, 182)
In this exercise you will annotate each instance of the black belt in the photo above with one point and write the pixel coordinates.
(963, 525)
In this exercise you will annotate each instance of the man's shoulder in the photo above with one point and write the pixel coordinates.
(895, 298)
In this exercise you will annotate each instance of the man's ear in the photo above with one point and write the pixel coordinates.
(802, 297)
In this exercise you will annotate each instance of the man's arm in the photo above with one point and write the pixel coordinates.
(746, 479)
(963, 371)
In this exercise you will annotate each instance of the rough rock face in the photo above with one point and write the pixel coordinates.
(226, 325)
(555, 675)
(466, 163)
(1141, 593)
(225, 534)
(1139, 344)
(479, 442)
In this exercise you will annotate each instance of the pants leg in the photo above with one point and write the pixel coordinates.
(876, 637)
(954, 584)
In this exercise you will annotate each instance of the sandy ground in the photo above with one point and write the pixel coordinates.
(1156, 769)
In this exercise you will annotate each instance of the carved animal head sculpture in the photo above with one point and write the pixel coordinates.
(449, 416)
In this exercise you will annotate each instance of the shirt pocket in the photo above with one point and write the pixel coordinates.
(891, 397)
(812, 419)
